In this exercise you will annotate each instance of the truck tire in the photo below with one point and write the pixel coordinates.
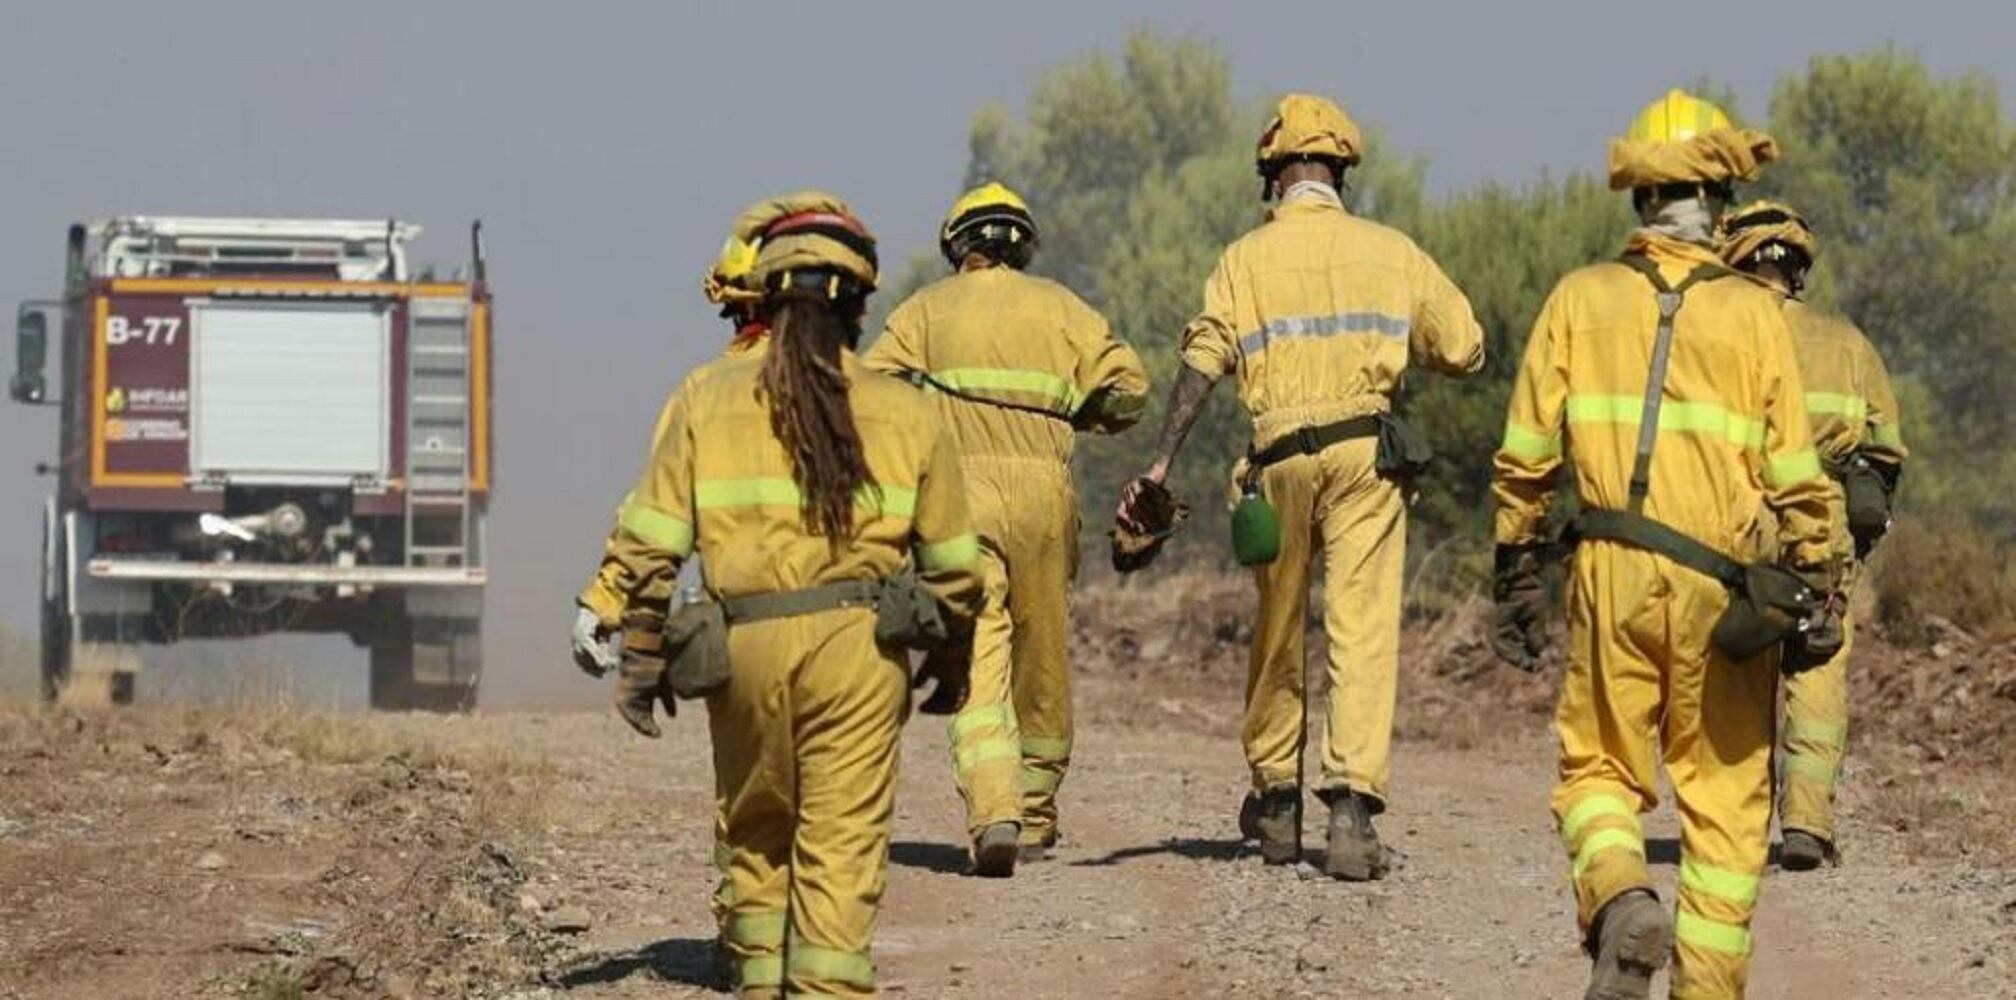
(426, 666)
(57, 628)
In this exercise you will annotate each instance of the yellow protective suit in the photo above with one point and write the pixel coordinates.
(1643, 680)
(1851, 408)
(994, 334)
(805, 733)
(1318, 314)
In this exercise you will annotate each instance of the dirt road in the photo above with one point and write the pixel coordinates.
(164, 852)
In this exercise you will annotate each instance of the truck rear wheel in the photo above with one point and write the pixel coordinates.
(427, 666)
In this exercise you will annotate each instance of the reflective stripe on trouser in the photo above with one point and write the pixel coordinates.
(986, 745)
(1816, 738)
(1643, 684)
(1334, 505)
(1026, 511)
(805, 750)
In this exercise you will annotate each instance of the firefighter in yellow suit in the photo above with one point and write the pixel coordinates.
(1018, 366)
(641, 666)
(1644, 681)
(1318, 314)
(1857, 429)
(803, 481)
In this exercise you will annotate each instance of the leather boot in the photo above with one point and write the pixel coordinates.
(996, 850)
(1354, 852)
(1632, 939)
(1274, 818)
(1803, 852)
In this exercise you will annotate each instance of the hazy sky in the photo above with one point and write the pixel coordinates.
(607, 146)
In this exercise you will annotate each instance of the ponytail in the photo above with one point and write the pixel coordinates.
(810, 412)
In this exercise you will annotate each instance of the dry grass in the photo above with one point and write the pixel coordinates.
(1945, 567)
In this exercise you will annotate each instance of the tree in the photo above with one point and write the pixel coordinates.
(1910, 182)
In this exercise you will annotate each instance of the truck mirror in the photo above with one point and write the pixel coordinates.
(31, 356)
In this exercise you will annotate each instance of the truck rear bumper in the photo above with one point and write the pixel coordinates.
(287, 573)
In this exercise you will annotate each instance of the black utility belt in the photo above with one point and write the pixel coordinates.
(1314, 439)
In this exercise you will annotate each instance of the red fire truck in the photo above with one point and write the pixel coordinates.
(267, 425)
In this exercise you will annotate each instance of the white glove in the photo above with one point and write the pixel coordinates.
(590, 641)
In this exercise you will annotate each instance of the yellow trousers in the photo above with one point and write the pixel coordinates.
(805, 750)
(986, 743)
(1027, 516)
(1644, 684)
(1816, 739)
(1333, 504)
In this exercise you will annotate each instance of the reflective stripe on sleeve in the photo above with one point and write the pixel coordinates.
(656, 527)
(1325, 326)
(1800, 466)
(1712, 419)
(1838, 404)
(1530, 446)
(1713, 935)
(1736, 887)
(711, 494)
(957, 552)
(1887, 435)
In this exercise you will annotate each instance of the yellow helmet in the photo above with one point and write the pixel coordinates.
(991, 216)
(816, 244)
(1306, 126)
(1682, 139)
(1677, 117)
(733, 280)
(1764, 230)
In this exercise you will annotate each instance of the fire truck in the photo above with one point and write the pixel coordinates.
(266, 425)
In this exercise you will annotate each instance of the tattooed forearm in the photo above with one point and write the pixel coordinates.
(1186, 401)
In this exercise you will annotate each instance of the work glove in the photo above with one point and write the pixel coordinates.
(639, 688)
(590, 642)
(1824, 634)
(1519, 626)
(950, 666)
(641, 681)
(1148, 517)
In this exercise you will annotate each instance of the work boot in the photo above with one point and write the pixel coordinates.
(1354, 853)
(1632, 940)
(1803, 852)
(1036, 847)
(996, 849)
(1274, 818)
